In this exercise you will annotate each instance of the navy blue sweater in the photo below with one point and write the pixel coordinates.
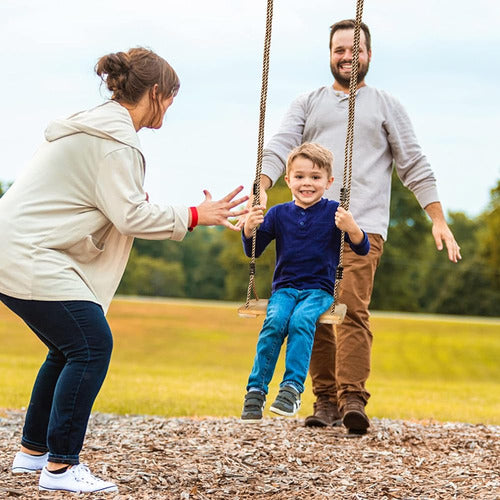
(307, 245)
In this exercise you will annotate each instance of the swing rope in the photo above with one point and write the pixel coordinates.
(260, 143)
(345, 191)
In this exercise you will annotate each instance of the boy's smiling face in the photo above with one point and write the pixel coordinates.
(307, 182)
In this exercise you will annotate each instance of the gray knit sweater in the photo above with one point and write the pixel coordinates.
(382, 134)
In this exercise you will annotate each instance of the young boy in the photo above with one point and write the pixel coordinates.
(307, 232)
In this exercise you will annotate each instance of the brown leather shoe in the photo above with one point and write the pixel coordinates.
(326, 413)
(354, 416)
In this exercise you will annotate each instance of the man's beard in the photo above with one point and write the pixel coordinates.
(345, 82)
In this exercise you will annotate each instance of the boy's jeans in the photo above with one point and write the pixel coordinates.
(294, 313)
(80, 343)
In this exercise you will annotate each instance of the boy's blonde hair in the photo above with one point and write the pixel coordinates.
(320, 156)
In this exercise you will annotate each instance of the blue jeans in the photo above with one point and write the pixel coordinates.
(294, 313)
(80, 344)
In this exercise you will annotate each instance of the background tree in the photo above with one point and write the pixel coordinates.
(194, 262)
(205, 274)
(489, 237)
(153, 277)
(474, 287)
(398, 282)
(3, 187)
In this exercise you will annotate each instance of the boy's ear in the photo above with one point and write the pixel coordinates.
(330, 182)
(287, 180)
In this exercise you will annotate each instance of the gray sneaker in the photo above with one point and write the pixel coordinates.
(287, 401)
(253, 406)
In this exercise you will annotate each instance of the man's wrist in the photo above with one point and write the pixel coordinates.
(265, 182)
(435, 212)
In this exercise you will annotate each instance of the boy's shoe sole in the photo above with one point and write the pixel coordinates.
(283, 412)
(250, 420)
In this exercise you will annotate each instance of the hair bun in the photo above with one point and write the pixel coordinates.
(114, 64)
(114, 70)
(130, 75)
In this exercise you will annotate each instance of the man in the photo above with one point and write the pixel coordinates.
(383, 136)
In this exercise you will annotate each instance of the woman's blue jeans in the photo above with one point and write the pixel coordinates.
(294, 313)
(80, 344)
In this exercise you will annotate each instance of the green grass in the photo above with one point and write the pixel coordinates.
(177, 359)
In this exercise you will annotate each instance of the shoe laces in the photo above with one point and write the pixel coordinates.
(82, 474)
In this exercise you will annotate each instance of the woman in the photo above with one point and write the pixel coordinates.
(67, 228)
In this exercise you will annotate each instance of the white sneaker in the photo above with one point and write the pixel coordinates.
(77, 479)
(23, 462)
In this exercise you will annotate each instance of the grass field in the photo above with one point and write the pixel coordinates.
(193, 359)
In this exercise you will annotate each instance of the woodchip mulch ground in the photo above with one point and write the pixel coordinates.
(212, 458)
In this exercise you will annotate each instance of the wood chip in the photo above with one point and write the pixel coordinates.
(219, 458)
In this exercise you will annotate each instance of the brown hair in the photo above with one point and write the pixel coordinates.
(350, 24)
(128, 75)
(320, 156)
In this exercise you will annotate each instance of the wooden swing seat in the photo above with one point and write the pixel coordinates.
(259, 308)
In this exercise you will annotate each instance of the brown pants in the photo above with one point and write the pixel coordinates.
(340, 363)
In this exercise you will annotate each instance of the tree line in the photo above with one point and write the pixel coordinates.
(413, 276)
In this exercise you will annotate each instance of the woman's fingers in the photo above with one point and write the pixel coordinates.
(212, 213)
(233, 193)
(237, 202)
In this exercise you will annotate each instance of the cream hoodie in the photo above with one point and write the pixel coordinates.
(68, 222)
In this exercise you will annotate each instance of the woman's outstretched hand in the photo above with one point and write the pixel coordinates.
(217, 213)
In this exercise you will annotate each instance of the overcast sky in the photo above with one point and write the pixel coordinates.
(440, 59)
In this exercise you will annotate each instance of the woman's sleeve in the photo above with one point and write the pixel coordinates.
(121, 198)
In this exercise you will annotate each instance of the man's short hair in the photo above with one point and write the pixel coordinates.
(319, 155)
(350, 24)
